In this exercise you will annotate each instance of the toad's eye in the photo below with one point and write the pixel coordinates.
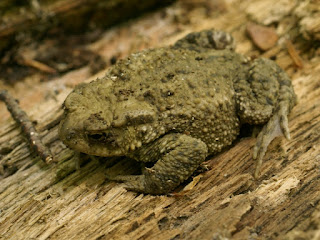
(97, 137)
(104, 138)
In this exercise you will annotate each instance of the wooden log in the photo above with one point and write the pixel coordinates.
(40, 201)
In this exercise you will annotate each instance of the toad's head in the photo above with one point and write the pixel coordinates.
(96, 123)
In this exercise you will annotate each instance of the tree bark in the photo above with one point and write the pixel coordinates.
(58, 201)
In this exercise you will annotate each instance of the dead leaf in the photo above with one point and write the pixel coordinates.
(263, 37)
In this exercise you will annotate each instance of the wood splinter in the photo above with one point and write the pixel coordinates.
(27, 126)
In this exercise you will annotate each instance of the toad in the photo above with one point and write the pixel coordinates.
(176, 105)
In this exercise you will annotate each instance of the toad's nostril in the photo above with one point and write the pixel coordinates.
(71, 135)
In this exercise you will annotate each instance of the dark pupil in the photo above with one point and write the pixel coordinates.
(103, 138)
(97, 136)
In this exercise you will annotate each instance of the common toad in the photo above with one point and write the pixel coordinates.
(176, 105)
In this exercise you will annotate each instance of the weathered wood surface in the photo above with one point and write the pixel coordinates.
(59, 202)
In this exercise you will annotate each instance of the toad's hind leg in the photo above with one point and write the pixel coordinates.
(178, 157)
(266, 97)
(207, 39)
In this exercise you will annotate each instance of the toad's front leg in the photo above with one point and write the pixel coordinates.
(177, 156)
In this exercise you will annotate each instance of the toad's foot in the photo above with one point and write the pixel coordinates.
(206, 39)
(178, 157)
(276, 126)
(265, 97)
(132, 182)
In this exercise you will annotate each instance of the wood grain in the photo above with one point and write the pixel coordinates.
(40, 201)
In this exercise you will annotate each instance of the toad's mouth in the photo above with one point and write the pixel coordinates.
(94, 144)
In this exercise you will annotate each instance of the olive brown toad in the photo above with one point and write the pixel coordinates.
(175, 106)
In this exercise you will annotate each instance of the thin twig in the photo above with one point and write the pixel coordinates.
(294, 54)
(27, 126)
(38, 65)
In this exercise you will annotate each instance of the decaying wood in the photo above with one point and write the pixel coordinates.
(35, 18)
(59, 202)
